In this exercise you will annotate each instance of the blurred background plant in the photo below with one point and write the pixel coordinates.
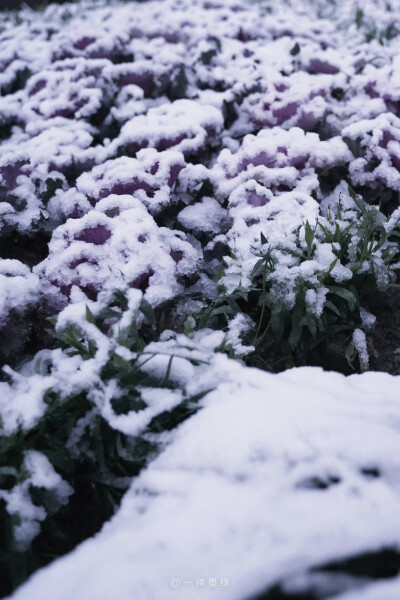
(317, 284)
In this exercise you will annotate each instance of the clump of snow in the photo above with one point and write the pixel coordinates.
(40, 474)
(360, 344)
(203, 216)
(19, 288)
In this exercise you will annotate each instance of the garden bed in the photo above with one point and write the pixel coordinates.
(175, 200)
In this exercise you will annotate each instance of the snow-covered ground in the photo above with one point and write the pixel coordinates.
(275, 477)
(144, 141)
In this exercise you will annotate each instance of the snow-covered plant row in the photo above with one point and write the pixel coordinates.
(168, 191)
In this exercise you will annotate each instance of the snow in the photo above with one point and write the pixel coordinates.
(360, 344)
(84, 250)
(40, 474)
(143, 141)
(183, 125)
(232, 494)
(202, 216)
(19, 288)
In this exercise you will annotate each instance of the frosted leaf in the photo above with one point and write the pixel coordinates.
(18, 501)
(368, 319)
(183, 125)
(360, 344)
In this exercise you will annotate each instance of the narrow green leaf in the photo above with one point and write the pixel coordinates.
(278, 321)
(362, 205)
(333, 265)
(148, 312)
(118, 360)
(297, 325)
(121, 298)
(309, 235)
(344, 293)
(161, 324)
(295, 334)
(92, 348)
(222, 310)
(168, 371)
(258, 268)
(89, 316)
(333, 308)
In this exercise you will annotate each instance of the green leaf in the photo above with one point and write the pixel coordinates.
(333, 308)
(222, 310)
(161, 322)
(310, 322)
(89, 316)
(297, 325)
(350, 355)
(309, 235)
(92, 348)
(263, 239)
(168, 371)
(108, 313)
(382, 239)
(121, 298)
(258, 268)
(333, 265)
(148, 312)
(118, 361)
(346, 294)
(69, 337)
(295, 334)
(327, 233)
(362, 205)
(359, 17)
(278, 321)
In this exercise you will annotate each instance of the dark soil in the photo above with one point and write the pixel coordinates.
(383, 342)
(17, 4)
(328, 580)
(385, 345)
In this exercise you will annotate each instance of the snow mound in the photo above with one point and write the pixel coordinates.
(270, 479)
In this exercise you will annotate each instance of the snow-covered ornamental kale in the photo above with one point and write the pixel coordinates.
(314, 285)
